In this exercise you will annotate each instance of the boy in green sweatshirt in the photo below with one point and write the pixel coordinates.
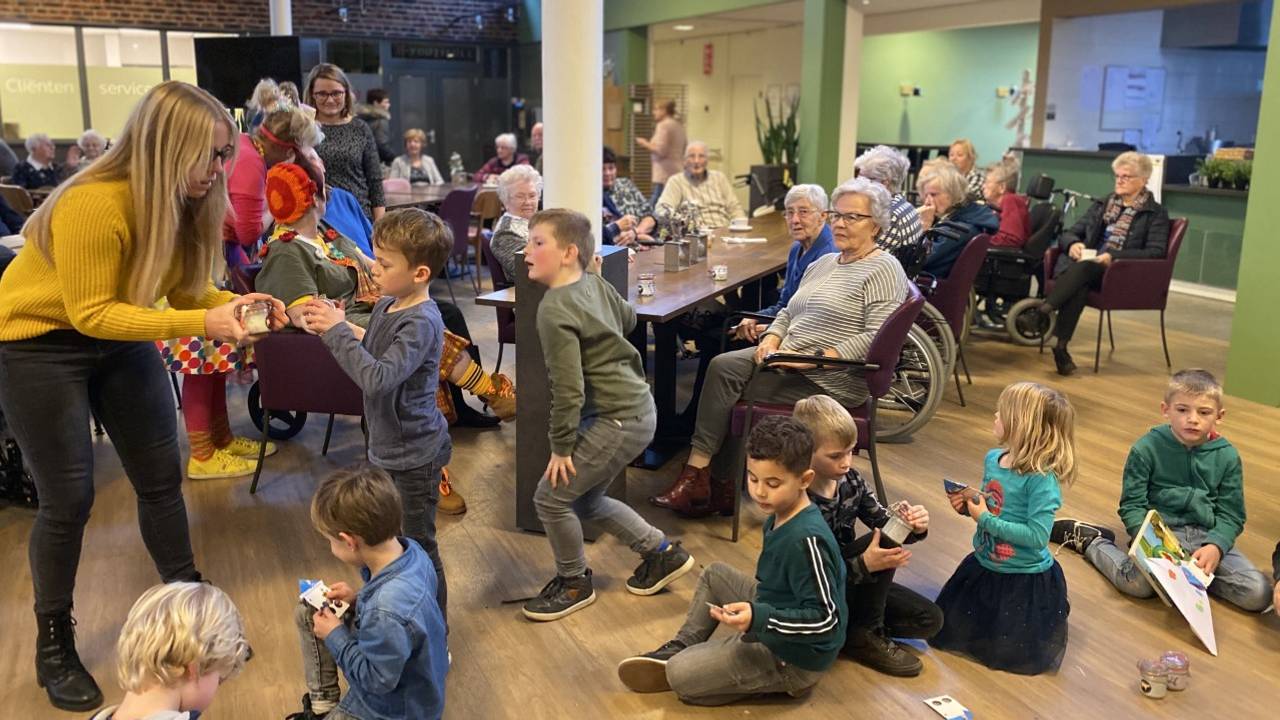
(602, 417)
(787, 623)
(1192, 476)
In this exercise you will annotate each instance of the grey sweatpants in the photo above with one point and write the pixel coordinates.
(605, 446)
(730, 668)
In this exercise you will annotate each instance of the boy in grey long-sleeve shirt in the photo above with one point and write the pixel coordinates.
(602, 417)
(396, 364)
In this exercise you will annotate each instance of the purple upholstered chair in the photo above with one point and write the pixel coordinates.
(877, 370)
(1129, 285)
(506, 316)
(951, 298)
(455, 211)
(297, 373)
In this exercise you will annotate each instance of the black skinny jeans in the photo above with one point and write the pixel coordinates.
(48, 384)
(882, 603)
(1070, 294)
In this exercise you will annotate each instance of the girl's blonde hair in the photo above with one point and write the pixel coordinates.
(177, 625)
(1039, 430)
(168, 134)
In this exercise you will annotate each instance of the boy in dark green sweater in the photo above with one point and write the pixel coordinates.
(788, 622)
(1192, 476)
(602, 417)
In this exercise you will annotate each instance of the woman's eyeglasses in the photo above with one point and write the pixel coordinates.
(224, 153)
(332, 95)
(834, 217)
(802, 213)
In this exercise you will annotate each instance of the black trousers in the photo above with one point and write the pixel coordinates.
(48, 385)
(882, 603)
(1070, 294)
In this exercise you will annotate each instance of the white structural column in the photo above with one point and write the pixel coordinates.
(281, 17)
(572, 103)
(849, 97)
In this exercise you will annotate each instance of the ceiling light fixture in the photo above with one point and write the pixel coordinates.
(682, 28)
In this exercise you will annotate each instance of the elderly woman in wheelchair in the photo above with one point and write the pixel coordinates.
(839, 306)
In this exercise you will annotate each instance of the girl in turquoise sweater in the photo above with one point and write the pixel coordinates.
(1006, 605)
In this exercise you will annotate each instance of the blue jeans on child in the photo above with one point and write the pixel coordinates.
(1236, 580)
(605, 446)
(419, 495)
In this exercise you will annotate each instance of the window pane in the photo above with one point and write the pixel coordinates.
(121, 65)
(39, 81)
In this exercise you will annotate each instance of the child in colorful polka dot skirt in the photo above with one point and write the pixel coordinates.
(1006, 604)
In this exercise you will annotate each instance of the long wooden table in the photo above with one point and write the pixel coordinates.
(418, 196)
(679, 292)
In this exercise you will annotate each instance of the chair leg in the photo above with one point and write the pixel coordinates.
(262, 450)
(328, 431)
(1111, 336)
(871, 454)
(176, 392)
(1165, 343)
(1097, 350)
(737, 483)
(964, 364)
(449, 282)
(498, 367)
(476, 281)
(955, 372)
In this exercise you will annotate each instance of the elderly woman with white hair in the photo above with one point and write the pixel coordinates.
(1127, 224)
(889, 167)
(950, 217)
(842, 301)
(38, 170)
(507, 158)
(1000, 189)
(519, 191)
(88, 148)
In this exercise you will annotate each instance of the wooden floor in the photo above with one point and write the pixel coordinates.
(505, 667)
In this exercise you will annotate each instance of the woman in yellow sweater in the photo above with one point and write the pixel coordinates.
(77, 327)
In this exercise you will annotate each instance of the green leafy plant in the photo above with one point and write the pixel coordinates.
(1221, 172)
(779, 136)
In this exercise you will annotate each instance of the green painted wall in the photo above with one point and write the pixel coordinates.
(630, 52)
(821, 79)
(637, 13)
(957, 72)
(1255, 344)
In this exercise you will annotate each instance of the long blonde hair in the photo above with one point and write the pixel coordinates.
(1039, 430)
(168, 134)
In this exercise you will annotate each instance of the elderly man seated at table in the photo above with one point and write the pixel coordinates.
(519, 191)
(38, 170)
(950, 217)
(628, 219)
(842, 301)
(413, 166)
(709, 190)
(507, 157)
(889, 167)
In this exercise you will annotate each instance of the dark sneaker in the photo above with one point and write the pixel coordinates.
(1062, 359)
(659, 569)
(307, 713)
(1077, 535)
(562, 596)
(648, 673)
(878, 652)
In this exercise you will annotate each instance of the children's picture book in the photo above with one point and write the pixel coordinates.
(1175, 577)
(947, 707)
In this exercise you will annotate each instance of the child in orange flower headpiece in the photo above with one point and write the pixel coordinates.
(290, 192)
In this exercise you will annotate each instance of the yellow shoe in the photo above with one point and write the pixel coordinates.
(450, 503)
(502, 401)
(221, 464)
(246, 448)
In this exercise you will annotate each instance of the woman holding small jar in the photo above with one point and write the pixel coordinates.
(77, 326)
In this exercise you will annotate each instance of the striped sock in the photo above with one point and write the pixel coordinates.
(475, 381)
(202, 445)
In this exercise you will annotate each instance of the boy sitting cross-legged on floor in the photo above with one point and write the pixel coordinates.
(787, 623)
(1193, 477)
(879, 608)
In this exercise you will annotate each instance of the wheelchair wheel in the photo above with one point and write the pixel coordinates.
(284, 423)
(917, 388)
(938, 329)
(1021, 329)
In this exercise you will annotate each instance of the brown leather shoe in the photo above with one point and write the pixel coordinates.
(690, 494)
(450, 503)
(722, 497)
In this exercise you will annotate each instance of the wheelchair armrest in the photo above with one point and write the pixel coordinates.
(822, 361)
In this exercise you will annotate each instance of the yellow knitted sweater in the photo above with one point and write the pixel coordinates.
(83, 289)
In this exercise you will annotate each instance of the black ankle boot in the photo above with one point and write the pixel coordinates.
(58, 667)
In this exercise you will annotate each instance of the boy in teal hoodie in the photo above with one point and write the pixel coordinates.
(1193, 477)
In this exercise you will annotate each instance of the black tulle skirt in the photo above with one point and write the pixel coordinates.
(1015, 622)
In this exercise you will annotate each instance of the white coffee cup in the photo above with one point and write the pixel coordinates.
(720, 272)
(740, 224)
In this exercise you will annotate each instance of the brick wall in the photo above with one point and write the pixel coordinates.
(417, 19)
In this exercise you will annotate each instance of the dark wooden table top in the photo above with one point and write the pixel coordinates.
(677, 292)
(418, 195)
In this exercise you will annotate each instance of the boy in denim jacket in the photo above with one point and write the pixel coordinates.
(390, 644)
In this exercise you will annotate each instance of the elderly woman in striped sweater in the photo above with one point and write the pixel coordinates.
(839, 307)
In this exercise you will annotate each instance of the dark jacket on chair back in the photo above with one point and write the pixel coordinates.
(1148, 236)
